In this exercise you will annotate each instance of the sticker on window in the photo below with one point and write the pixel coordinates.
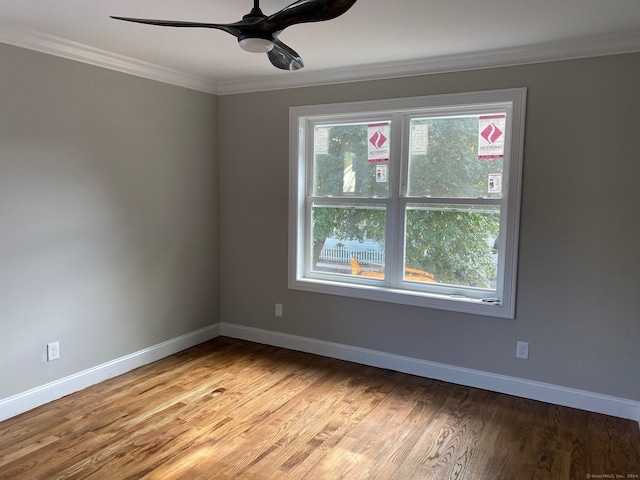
(381, 173)
(378, 135)
(419, 139)
(321, 141)
(491, 136)
(495, 183)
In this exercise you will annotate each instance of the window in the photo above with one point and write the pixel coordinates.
(413, 201)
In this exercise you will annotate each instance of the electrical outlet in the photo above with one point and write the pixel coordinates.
(278, 309)
(53, 351)
(522, 350)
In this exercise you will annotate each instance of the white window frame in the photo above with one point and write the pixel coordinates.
(400, 111)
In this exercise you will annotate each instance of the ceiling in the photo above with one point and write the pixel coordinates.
(374, 39)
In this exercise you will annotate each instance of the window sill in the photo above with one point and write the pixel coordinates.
(405, 297)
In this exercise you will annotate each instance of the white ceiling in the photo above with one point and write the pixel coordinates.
(374, 39)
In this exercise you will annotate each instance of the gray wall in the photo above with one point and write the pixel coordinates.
(578, 300)
(112, 229)
(108, 215)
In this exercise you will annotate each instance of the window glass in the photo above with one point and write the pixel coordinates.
(349, 239)
(444, 160)
(452, 244)
(351, 160)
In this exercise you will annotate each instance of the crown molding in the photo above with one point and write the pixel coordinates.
(628, 42)
(93, 56)
(620, 43)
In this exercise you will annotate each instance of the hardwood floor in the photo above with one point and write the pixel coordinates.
(233, 409)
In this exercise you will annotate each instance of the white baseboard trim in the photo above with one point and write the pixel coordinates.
(22, 402)
(569, 397)
(589, 401)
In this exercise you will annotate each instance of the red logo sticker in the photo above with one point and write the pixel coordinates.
(378, 139)
(491, 133)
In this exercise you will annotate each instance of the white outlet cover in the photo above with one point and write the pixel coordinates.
(522, 350)
(53, 351)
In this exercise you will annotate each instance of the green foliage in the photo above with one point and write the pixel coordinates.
(348, 223)
(453, 245)
(347, 148)
(451, 168)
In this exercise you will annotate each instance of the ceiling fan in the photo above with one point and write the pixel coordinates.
(258, 33)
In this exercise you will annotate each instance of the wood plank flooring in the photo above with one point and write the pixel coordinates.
(230, 409)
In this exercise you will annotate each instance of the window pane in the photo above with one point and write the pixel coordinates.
(349, 240)
(351, 160)
(444, 157)
(454, 245)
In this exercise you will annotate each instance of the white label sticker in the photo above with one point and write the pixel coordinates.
(495, 183)
(321, 141)
(419, 139)
(381, 173)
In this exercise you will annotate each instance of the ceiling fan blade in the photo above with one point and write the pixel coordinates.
(284, 57)
(305, 11)
(232, 28)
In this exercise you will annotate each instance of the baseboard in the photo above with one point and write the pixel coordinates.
(35, 397)
(593, 402)
(569, 397)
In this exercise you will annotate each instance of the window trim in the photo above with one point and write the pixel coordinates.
(301, 117)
